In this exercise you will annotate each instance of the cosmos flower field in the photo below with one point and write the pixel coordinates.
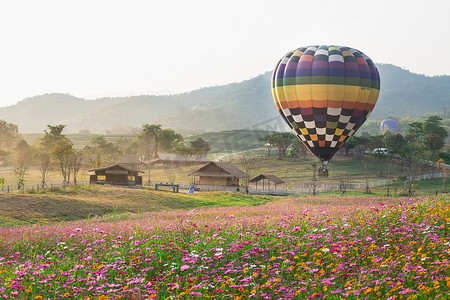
(303, 248)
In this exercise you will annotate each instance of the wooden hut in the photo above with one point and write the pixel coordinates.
(266, 178)
(116, 174)
(218, 175)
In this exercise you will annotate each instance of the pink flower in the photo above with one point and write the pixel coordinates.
(184, 267)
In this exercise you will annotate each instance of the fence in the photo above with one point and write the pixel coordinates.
(307, 187)
(6, 189)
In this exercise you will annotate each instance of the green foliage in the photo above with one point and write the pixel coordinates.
(280, 140)
(168, 139)
(9, 135)
(201, 145)
(148, 139)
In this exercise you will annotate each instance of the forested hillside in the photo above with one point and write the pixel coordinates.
(228, 107)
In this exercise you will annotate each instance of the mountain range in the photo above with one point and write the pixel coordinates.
(232, 106)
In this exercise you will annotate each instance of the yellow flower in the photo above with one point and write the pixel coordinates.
(29, 289)
(38, 297)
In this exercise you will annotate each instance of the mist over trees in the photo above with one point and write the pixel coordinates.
(229, 107)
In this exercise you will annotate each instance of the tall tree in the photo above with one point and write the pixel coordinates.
(9, 136)
(269, 144)
(22, 162)
(43, 160)
(435, 135)
(63, 153)
(100, 151)
(200, 145)
(148, 140)
(282, 140)
(53, 135)
(168, 139)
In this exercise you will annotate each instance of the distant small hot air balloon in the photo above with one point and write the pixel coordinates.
(325, 93)
(389, 124)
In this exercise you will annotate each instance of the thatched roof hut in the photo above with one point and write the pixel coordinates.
(116, 174)
(269, 178)
(218, 174)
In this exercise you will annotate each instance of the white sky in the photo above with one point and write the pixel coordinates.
(95, 48)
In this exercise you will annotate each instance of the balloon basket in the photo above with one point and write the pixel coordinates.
(323, 172)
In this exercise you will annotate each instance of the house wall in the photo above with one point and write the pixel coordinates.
(222, 181)
(212, 180)
(115, 179)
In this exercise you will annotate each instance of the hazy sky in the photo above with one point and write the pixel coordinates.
(96, 48)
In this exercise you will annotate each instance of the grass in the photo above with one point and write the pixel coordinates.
(59, 204)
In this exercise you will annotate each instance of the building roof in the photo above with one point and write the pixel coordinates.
(227, 171)
(113, 166)
(172, 157)
(270, 177)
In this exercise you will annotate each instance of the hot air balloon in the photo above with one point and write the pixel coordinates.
(389, 124)
(325, 93)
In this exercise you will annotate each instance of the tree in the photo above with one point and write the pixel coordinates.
(282, 140)
(247, 161)
(201, 146)
(100, 151)
(9, 136)
(168, 139)
(77, 160)
(268, 143)
(184, 152)
(126, 146)
(53, 135)
(43, 160)
(22, 162)
(434, 135)
(376, 141)
(63, 153)
(148, 141)
(395, 143)
(298, 149)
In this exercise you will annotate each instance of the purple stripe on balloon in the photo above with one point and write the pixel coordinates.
(304, 68)
(290, 70)
(320, 118)
(319, 71)
(319, 64)
(280, 73)
(336, 68)
(306, 111)
(364, 74)
(357, 113)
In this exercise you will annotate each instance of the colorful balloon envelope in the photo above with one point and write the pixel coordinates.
(390, 125)
(325, 93)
